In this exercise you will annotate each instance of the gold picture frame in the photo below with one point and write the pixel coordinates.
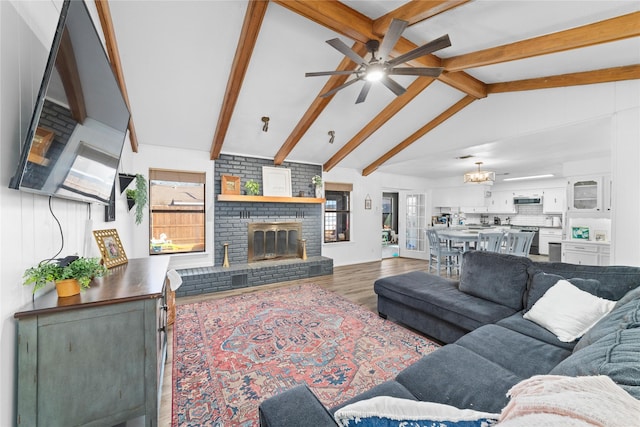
(230, 184)
(110, 247)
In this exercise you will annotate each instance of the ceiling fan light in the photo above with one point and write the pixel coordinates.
(374, 73)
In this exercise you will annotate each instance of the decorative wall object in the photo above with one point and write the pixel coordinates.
(367, 202)
(110, 247)
(230, 184)
(276, 181)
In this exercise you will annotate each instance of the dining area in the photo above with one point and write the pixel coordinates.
(446, 245)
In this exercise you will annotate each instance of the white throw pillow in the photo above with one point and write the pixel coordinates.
(567, 311)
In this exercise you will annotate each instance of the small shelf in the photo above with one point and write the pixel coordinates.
(267, 199)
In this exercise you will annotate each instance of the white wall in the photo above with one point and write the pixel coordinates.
(365, 244)
(28, 231)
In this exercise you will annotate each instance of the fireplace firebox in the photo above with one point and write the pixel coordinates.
(273, 240)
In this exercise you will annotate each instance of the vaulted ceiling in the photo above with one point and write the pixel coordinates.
(527, 85)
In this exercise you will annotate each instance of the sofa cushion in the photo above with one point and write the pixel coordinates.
(495, 277)
(621, 317)
(616, 280)
(456, 376)
(383, 411)
(440, 298)
(497, 344)
(629, 296)
(616, 355)
(541, 282)
(567, 311)
(518, 323)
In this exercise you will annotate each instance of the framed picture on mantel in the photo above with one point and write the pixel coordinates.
(230, 184)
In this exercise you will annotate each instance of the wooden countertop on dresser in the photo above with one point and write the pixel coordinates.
(140, 278)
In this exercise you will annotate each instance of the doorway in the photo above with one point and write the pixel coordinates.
(390, 244)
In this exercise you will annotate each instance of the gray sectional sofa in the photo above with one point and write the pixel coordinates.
(490, 346)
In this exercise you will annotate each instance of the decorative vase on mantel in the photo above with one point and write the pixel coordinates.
(319, 191)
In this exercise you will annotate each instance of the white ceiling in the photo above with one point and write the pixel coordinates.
(177, 56)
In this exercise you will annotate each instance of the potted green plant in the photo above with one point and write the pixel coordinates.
(69, 278)
(138, 197)
(252, 187)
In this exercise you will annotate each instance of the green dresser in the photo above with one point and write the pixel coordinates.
(95, 359)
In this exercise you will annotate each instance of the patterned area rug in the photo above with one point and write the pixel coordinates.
(231, 354)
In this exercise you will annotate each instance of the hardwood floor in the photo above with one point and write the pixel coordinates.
(354, 282)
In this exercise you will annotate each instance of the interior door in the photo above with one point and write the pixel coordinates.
(412, 222)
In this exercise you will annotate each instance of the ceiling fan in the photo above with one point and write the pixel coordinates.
(379, 67)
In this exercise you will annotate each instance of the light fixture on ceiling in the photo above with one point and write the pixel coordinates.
(479, 175)
(265, 126)
(332, 136)
(521, 178)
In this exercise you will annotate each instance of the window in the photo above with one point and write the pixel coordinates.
(337, 214)
(176, 201)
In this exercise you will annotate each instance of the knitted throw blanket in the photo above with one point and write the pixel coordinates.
(551, 400)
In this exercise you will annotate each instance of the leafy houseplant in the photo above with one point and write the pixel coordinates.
(138, 197)
(252, 187)
(81, 269)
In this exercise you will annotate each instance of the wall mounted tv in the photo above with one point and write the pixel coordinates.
(74, 142)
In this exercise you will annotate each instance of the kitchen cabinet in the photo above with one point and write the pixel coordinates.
(553, 200)
(548, 235)
(474, 209)
(501, 202)
(586, 253)
(607, 184)
(585, 194)
(467, 196)
(95, 358)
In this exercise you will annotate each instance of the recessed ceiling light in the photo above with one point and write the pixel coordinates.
(521, 178)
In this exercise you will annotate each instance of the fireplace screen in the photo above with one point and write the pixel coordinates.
(272, 240)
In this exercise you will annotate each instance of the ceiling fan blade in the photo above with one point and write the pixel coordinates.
(417, 71)
(334, 90)
(347, 51)
(330, 73)
(432, 46)
(364, 92)
(390, 39)
(394, 86)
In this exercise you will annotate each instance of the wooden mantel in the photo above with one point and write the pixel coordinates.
(267, 199)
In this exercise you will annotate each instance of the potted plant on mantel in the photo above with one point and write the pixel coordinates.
(252, 187)
(69, 277)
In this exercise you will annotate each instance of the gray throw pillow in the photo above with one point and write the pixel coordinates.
(629, 296)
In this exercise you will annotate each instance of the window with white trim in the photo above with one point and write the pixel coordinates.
(337, 212)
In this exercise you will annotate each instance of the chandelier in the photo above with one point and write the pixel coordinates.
(479, 175)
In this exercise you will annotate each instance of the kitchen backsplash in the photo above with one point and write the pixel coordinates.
(526, 215)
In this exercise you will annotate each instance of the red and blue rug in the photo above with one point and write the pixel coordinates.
(231, 354)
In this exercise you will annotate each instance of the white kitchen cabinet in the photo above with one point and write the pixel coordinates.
(585, 194)
(474, 209)
(606, 186)
(585, 253)
(553, 200)
(548, 235)
(470, 196)
(501, 202)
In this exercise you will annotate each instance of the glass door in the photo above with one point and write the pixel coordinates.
(415, 223)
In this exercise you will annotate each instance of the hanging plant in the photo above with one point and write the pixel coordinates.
(138, 197)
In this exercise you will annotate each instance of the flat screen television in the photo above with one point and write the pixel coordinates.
(74, 142)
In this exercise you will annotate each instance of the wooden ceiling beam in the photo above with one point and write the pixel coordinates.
(419, 134)
(413, 12)
(609, 30)
(256, 10)
(104, 14)
(606, 75)
(317, 106)
(418, 85)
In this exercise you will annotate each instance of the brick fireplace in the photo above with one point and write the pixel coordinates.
(279, 258)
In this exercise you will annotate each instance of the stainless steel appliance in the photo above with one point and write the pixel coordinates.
(527, 200)
(535, 244)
